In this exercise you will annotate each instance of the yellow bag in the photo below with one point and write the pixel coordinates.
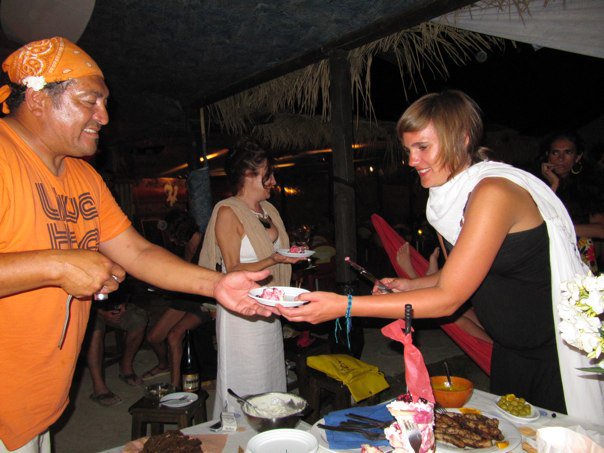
(362, 379)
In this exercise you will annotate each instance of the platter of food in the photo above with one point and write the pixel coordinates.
(282, 295)
(484, 433)
(296, 251)
(516, 409)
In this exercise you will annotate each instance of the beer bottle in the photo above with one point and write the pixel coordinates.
(189, 370)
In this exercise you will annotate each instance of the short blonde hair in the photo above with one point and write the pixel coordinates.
(457, 120)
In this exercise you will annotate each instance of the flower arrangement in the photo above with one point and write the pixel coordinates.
(581, 309)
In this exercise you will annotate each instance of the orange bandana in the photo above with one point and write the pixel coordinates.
(48, 60)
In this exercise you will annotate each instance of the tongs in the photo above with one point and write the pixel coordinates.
(369, 276)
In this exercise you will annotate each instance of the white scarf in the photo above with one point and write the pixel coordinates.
(583, 392)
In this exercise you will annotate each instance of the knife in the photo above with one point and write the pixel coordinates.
(361, 270)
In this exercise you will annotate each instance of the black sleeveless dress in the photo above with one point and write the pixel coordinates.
(514, 304)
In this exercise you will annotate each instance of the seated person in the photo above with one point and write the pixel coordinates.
(185, 311)
(124, 316)
(467, 320)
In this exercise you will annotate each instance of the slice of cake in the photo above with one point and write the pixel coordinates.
(298, 248)
(272, 294)
(410, 414)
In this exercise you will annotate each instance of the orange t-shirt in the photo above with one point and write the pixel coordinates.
(38, 211)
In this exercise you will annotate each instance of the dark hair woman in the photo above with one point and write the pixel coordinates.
(579, 185)
(244, 233)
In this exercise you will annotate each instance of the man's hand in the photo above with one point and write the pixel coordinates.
(112, 316)
(232, 293)
(84, 272)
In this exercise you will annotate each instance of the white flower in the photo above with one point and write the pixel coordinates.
(36, 83)
(580, 309)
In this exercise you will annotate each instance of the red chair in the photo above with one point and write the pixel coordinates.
(478, 349)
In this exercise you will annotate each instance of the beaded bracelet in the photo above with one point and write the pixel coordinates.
(348, 318)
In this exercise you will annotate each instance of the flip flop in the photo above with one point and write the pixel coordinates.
(106, 399)
(155, 372)
(130, 379)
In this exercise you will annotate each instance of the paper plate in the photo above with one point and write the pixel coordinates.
(509, 431)
(178, 399)
(305, 254)
(289, 296)
(281, 440)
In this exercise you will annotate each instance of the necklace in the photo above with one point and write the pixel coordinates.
(264, 218)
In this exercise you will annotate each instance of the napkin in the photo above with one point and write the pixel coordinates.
(564, 440)
(416, 374)
(343, 440)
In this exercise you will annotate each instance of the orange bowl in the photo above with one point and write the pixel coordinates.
(456, 396)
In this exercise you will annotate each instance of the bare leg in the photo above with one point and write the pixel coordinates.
(134, 339)
(470, 323)
(156, 338)
(175, 337)
(94, 357)
(403, 258)
(433, 266)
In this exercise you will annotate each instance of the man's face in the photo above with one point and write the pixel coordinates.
(74, 118)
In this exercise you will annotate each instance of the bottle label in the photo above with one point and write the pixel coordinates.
(190, 382)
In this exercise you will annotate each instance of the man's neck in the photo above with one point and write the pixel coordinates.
(27, 133)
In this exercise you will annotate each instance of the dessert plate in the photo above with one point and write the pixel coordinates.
(305, 254)
(289, 296)
(178, 399)
(288, 440)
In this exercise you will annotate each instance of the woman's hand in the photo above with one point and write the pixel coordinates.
(397, 285)
(322, 307)
(547, 170)
(282, 259)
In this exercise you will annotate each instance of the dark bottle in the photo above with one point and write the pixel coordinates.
(189, 369)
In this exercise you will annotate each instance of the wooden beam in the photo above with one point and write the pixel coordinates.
(419, 11)
(343, 166)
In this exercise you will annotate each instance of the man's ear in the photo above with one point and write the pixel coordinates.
(36, 101)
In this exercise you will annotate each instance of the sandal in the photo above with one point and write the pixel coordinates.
(155, 372)
(106, 399)
(131, 379)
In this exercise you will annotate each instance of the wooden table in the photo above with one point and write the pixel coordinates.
(148, 411)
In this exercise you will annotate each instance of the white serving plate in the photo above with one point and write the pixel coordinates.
(509, 431)
(515, 418)
(286, 252)
(178, 399)
(283, 440)
(289, 296)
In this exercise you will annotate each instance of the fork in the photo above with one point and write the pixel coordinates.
(367, 434)
(440, 409)
(413, 435)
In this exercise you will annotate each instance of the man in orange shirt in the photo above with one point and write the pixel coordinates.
(63, 238)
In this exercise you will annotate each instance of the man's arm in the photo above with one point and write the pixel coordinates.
(79, 272)
(155, 265)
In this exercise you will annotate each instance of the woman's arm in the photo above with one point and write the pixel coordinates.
(495, 208)
(593, 229)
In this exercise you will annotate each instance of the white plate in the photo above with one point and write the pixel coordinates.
(509, 431)
(289, 296)
(515, 418)
(286, 252)
(174, 399)
(280, 440)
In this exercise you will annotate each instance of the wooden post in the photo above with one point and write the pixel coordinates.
(343, 167)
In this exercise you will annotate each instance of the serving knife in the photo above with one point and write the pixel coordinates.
(369, 276)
